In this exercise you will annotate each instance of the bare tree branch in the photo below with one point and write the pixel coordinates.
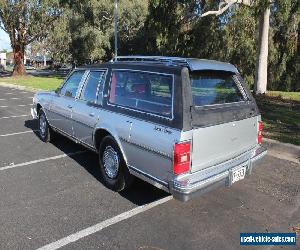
(224, 5)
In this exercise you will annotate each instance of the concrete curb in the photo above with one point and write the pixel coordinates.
(16, 86)
(282, 148)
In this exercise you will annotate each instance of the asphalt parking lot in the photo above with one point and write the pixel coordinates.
(51, 195)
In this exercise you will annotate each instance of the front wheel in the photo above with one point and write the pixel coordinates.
(114, 171)
(43, 127)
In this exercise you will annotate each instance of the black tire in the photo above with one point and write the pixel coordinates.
(45, 132)
(109, 152)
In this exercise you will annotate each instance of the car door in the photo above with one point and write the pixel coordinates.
(61, 108)
(85, 110)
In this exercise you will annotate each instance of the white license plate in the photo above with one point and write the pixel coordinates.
(238, 174)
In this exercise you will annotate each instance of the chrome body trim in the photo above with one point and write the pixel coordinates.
(33, 113)
(187, 186)
(149, 178)
(163, 154)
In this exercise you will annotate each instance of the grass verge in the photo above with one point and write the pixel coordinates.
(281, 116)
(35, 82)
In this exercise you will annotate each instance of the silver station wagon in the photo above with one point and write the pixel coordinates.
(184, 125)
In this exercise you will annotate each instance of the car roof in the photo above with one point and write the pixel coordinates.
(193, 64)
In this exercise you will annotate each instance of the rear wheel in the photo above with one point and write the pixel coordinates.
(113, 168)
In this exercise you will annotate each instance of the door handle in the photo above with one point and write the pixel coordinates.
(70, 106)
(91, 114)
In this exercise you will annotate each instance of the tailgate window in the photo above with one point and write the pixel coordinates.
(211, 87)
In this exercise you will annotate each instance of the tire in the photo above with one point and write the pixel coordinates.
(114, 172)
(44, 130)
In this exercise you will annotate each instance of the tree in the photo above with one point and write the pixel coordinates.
(25, 21)
(260, 85)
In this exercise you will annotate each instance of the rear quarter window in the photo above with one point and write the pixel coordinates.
(142, 91)
(215, 87)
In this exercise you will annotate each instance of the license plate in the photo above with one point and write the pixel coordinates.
(238, 174)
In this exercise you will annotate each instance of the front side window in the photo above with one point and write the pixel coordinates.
(215, 87)
(94, 85)
(144, 91)
(71, 85)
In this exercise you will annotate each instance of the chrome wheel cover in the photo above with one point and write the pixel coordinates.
(111, 162)
(43, 125)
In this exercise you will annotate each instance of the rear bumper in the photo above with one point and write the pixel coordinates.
(186, 187)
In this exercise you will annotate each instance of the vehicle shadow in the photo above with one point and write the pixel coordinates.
(140, 193)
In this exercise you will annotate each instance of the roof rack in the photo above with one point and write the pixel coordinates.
(153, 59)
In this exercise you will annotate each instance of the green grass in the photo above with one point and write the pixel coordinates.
(294, 96)
(44, 83)
(281, 116)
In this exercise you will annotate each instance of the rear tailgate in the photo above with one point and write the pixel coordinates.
(224, 118)
(218, 143)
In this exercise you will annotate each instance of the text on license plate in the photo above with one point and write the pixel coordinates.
(238, 174)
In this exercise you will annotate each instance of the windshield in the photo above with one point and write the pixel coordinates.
(215, 87)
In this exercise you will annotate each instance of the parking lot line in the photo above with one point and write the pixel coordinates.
(13, 116)
(19, 133)
(104, 224)
(41, 160)
(24, 105)
(14, 98)
(20, 105)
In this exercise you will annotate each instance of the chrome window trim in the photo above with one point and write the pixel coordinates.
(137, 110)
(103, 80)
(240, 88)
(80, 83)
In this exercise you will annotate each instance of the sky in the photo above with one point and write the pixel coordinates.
(4, 41)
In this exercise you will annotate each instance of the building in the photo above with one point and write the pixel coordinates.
(2, 60)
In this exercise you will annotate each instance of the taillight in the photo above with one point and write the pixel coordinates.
(259, 133)
(182, 157)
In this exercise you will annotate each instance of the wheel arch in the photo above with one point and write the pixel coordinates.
(101, 132)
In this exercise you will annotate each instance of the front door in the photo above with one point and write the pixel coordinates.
(60, 111)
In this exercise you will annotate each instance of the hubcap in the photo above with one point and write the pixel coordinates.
(43, 125)
(111, 162)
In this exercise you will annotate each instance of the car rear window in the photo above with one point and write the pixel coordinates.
(144, 91)
(215, 87)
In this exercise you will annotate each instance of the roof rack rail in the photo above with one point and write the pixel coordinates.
(154, 59)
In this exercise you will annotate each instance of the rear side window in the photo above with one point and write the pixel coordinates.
(144, 91)
(71, 85)
(93, 86)
(215, 87)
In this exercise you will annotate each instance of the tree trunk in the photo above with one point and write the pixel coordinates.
(261, 75)
(19, 69)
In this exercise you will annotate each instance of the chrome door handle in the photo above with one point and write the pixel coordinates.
(70, 106)
(91, 114)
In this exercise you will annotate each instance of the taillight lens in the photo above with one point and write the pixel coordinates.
(182, 157)
(259, 133)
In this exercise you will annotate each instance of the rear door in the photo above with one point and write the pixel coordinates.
(85, 111)
(223, 118)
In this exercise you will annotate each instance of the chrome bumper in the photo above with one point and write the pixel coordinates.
(187, 186)
(33, 113)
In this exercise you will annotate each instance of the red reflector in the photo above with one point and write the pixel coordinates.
(259, 133)
(182, 157)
